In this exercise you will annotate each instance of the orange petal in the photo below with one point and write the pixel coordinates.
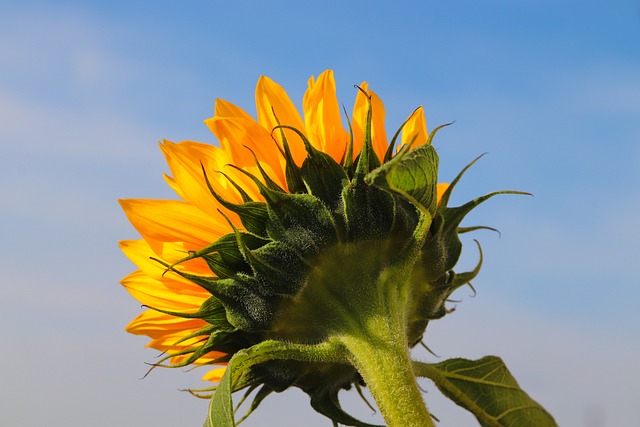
(186, 161)
(164, 328)
(274, 106)
(440, 189)
(378, 131)
(236, 134)
(173, 221)
(323, 118)
(416, 127)
(161, 294)
(226, 109)
(140, 252)
(214, 375)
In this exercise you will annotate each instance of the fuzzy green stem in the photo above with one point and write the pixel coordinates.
(385, 365)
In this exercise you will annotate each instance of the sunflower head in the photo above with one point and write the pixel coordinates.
(293, 241)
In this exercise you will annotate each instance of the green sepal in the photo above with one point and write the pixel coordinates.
(412, 175)
(406, 217)
(348, 163)
(301, 221)
(196, 352)
(462, 230)
(389, 154)
(430, 295)
(271, 184)
(369, 212)
(205, 282)
(223, 256)
(367, 159)
(324, 178)
(327, 404)
(322, 175)
(252, 214)
(207, 331)
(228, 257)
(264, 391)
(460, 279)
(243, 194)
(292, 171)
(221, 267)
(250, 306)
(211, 311)
(432, 134)
(239, 367)
(454, 216)
(278, 267)
(486, 388)
(444, 200)
(443, 248)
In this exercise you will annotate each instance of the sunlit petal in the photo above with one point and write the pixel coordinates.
(323, 117)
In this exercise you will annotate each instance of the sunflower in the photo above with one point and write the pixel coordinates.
(300, 253)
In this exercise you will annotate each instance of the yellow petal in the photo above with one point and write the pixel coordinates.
(416, 127)
(173, 221)
(163, 294)
(164, 328)
(226, 109)
(214, 375)
(208, 358)
(378, 131)
(440, 189)
(186, 161)
(236, 134)
(174, 186)
(273, 105)
(323, 118)
(140, 252)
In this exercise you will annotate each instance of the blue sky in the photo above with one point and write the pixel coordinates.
(550, 89)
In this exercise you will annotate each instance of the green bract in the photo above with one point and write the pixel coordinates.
(338, 278)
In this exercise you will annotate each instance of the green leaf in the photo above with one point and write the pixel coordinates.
(221, 406)
(486, 388)
(412, 175)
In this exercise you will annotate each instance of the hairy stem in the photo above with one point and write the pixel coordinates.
(385, 365)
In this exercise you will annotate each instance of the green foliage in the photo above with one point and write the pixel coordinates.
(412, 175)
(487, 389)
(240, 375)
